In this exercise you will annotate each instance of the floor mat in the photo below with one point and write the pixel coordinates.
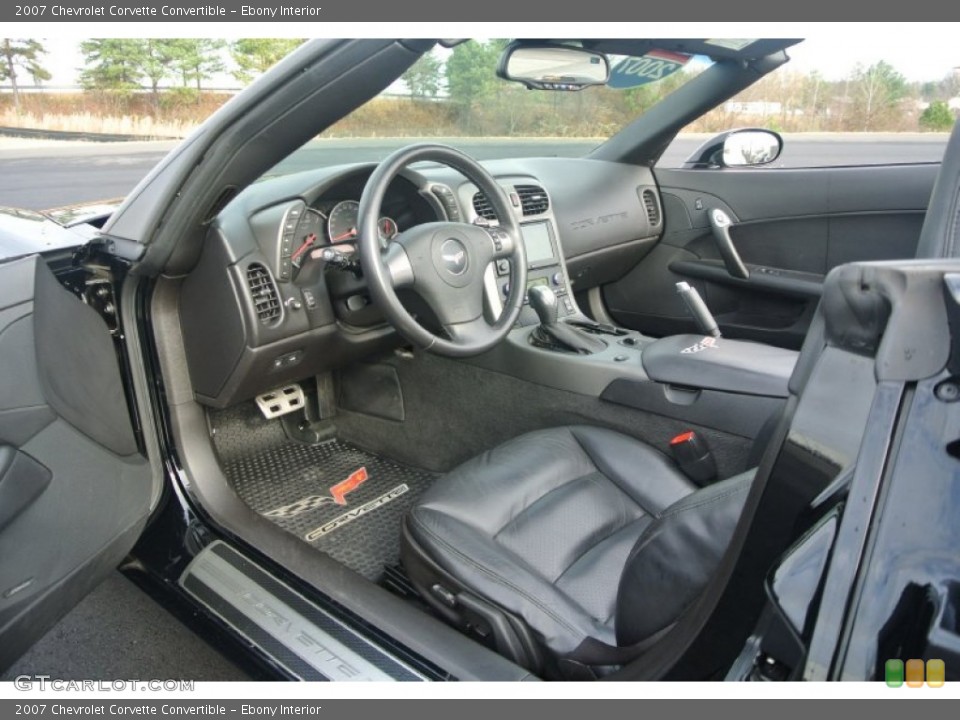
(338, 498)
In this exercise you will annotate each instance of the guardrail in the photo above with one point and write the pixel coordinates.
(71, 135)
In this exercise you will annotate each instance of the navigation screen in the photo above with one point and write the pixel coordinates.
(536, 239)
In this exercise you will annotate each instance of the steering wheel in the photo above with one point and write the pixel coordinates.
(443, 262)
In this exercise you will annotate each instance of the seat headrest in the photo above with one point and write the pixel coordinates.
(940, 235)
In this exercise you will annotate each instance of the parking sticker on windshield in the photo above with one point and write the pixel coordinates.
(655, 65)
(737, 44)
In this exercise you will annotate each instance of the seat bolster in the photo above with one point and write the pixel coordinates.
(675, 557)
(648, 476)
(499, 576)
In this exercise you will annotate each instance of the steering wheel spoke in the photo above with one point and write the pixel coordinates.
(398, 266)
(469, 331)
(502, 242)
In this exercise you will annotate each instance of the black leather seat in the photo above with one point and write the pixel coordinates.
(584, 539)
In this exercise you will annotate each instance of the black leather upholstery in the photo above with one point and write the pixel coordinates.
(675, 556)
(544, 526)
(940, 235)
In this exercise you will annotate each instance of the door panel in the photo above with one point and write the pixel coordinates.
(74, 491)
(791, 227)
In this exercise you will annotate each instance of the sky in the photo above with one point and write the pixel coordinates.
(920, 51)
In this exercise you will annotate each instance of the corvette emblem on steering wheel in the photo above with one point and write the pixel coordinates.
(454, 256)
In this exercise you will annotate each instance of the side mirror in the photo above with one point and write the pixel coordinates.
(553, 67)
(747, 147)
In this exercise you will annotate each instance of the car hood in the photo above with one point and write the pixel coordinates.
(23, 232)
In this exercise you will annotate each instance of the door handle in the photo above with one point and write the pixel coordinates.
(720, 224)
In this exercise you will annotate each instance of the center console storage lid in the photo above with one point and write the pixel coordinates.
(720, 364)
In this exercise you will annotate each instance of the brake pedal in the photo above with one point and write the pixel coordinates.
(288, 399)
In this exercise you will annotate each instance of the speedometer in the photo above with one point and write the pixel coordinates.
(343, 220)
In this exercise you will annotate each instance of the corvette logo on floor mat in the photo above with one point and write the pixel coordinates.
(338, 495)
(357, 512)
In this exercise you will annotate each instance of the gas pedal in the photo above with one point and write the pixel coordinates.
(287, 399)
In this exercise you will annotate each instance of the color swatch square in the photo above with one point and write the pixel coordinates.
(914, 673)
(936, 673)
(893, 673)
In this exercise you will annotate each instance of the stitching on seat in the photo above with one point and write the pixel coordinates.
(543, 497)
(613, 481)
(625, 522)
(490, 573)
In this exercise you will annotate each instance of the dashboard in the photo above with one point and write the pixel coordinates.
(278, 294)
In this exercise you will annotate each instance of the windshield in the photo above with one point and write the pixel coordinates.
(455, 95)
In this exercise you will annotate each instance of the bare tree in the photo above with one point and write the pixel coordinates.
(19, 54)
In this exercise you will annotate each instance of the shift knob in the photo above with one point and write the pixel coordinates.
(544, 303)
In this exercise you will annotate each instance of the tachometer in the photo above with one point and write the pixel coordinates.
(387, 227)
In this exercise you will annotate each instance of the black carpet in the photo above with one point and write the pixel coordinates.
(119, 632)
(455, 410)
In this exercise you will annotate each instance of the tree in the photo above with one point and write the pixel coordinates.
(470, 72)
(197, 60)
(937, 117)
(23, 55)
(423, 78)
(156, 57)
(877, 92)
(255, 56)
(111, 64)
(471, 79)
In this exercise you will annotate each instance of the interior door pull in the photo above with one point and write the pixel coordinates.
(720, 224)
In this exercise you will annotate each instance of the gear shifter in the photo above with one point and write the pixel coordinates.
(554, 334)
(544, 303)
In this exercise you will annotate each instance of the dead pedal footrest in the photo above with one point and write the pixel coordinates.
(279, 402)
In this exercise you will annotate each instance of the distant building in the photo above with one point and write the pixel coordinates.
(763, 108)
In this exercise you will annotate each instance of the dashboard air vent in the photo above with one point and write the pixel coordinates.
(266, 299)
(483, 207)
(533, 199)
(652, 206)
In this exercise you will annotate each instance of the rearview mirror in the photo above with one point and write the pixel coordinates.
(553, 67)
(747, 147)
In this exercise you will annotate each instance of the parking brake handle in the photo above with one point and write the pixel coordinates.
(720, 224)
(698, 308)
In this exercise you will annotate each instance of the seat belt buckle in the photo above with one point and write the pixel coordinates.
(693, 457)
